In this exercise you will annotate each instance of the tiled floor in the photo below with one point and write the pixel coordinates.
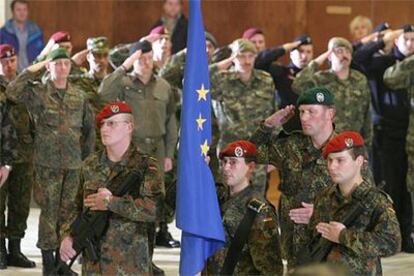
(168, 259)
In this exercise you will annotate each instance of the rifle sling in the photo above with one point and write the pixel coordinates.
(240, 237)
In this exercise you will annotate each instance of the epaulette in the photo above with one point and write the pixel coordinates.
(262, 74)
(358, 76)
(256, 205)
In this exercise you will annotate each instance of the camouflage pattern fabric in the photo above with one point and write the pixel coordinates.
(124, 248)
(63, 119)
(352, 97)
(359, 248)
(153, 108)
(261, 253)
(239, 107)
(400, 77)
(303, 173)
(16, 193)
(55, 192)
(8, 154)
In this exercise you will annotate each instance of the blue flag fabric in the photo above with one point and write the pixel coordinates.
(198, 212)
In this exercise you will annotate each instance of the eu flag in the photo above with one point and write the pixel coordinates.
(198, 213)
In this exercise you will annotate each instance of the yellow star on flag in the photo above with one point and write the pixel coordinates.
(204, 148)
(200, 121)
(202, 93)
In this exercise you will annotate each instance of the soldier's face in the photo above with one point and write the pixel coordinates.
(144, 64)
(302, 55)
(360, 31)
(340, 58)
(98, 62)
(259, 41)
(8, 67)
(236, 172)
(162, 47)
(405, 43)
(20, 12)
(244, 62)
(172, 7)
(59, 69)
(115, 130)
(210, 49)
(342, 168)
(315, 118)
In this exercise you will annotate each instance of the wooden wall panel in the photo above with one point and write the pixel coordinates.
(125, 21)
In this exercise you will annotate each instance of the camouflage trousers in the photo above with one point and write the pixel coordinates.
(16, 194)
(55, 191)
(294, 237)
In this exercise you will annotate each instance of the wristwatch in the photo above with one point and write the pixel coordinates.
(8, 167)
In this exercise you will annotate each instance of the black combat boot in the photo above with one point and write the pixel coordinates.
(407, 244)
(48, 261)
(164, 237)
(156, 271)
(3, 254)
(16, 257)
(62, 268)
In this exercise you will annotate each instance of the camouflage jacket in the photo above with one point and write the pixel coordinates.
(8, 137)
(63, 121)
(173, 71)
(124, 247)
(23, 126)
(239, 107)
(400, 77)
(89, 84)
(352, 97)
(374, 234)
(152, 105)
(261, 253)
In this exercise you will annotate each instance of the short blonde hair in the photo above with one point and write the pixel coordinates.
(358, 21)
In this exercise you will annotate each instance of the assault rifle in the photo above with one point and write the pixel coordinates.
(89, 227)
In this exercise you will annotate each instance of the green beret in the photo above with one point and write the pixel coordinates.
(339, 42)
(57, 54)
(243, 45)
(316, 95)
(98, 45)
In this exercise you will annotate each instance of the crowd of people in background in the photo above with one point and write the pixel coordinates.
(336, 127)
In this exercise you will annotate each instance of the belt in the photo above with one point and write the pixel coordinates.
(149, 140)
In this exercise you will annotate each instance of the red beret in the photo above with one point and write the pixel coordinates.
(343, 141)
(249, 33)
(112, 109)
(61, 36)
(241, 148)
(6, 51)
(161, 30)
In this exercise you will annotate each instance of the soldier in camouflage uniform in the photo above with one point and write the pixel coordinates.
(16, 194)
(153, 106)
(299, 159)
(124, 249)
(375, 232)
(352, 94)
(241, 98)
(65, 134)
(261, 252)
(400, 77)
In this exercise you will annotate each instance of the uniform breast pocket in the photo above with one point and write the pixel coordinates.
(75, 113)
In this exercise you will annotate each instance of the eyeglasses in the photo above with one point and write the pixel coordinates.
(111, 124)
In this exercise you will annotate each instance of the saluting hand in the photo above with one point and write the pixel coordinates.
(331, 230)
(280, 117)
(96, 201)
(131, 59)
